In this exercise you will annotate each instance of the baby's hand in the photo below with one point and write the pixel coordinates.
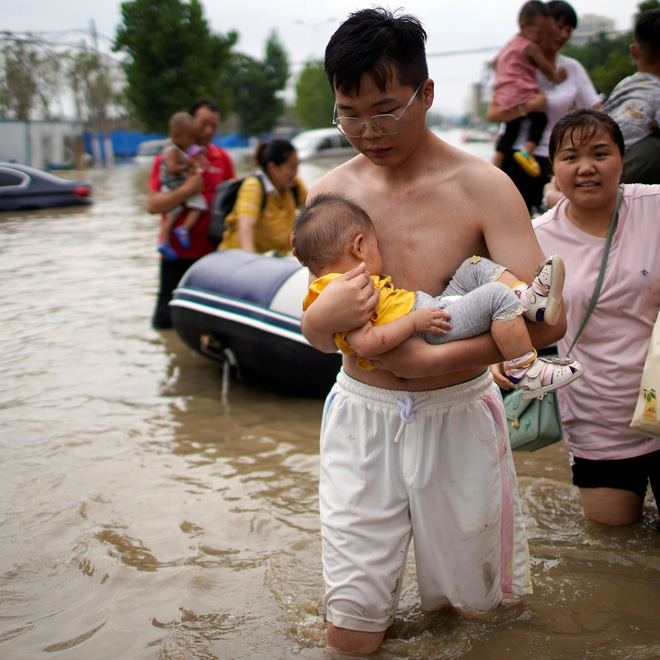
(431, 319)
(560, 75)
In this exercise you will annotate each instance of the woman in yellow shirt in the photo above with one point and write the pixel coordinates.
(258, 227)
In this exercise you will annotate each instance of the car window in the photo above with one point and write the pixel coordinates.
(10, 178)
(343, 141)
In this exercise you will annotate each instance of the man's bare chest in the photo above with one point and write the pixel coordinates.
(422, 253)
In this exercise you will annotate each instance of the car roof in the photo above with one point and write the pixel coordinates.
(22, 168)
(307, 139)
(321, 132)
(30, 171)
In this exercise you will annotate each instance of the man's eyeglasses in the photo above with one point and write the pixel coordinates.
(352, 127)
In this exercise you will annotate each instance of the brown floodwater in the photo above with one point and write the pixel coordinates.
(151, 511)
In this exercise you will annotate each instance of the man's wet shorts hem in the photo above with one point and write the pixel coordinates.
(360, 624)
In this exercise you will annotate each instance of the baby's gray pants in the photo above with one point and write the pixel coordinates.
(474, 299)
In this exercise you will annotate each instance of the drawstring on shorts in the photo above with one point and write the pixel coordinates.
(408, 409)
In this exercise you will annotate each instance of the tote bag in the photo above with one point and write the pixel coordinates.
(645, 418)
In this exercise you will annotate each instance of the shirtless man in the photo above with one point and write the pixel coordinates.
(417, 446)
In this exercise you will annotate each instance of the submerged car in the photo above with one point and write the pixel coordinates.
(23, 187)
(322, 143)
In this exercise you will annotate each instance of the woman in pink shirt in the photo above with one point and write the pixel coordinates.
(611, 463)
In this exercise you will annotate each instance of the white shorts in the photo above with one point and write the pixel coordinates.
(434, 465)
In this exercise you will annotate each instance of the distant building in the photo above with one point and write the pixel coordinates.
(590, 27)
(475, 100)
(42, 144)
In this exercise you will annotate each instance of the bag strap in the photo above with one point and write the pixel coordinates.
(601, 275)
(259, 177)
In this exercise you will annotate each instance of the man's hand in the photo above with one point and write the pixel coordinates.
(347, 303)
(164, 202)
(500, 373)
(194, 180)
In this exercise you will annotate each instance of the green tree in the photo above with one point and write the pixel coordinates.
(256, 87)
(617, 67)
(607, 59)
(645, 6)
(173, 58)
(314, 97)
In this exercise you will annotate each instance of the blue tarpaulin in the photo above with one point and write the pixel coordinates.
(125, 143)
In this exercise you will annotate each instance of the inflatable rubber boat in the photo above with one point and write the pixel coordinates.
(244, 310)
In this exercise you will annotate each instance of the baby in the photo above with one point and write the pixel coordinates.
(332, 235)
(180, 157)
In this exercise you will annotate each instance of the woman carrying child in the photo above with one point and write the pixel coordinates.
(515, 67)
(576, 91)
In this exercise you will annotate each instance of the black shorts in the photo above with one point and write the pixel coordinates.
(626, 474)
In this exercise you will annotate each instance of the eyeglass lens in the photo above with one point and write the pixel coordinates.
(383, 124)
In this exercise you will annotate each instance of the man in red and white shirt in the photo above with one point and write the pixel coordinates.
(207, 119)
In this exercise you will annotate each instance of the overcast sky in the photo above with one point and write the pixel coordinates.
(305, 27)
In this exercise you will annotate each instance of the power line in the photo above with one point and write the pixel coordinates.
(467, 51)
(34, 38)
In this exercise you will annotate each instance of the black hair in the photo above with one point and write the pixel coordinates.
(647, 35)
(204, 103)
(583, 124)
(379, 43)
(562, 12)
(325, 228)
(531, 10)
(275, 151)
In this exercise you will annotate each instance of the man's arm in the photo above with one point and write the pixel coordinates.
(162, 202)
(417, 359)
(371, 340)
